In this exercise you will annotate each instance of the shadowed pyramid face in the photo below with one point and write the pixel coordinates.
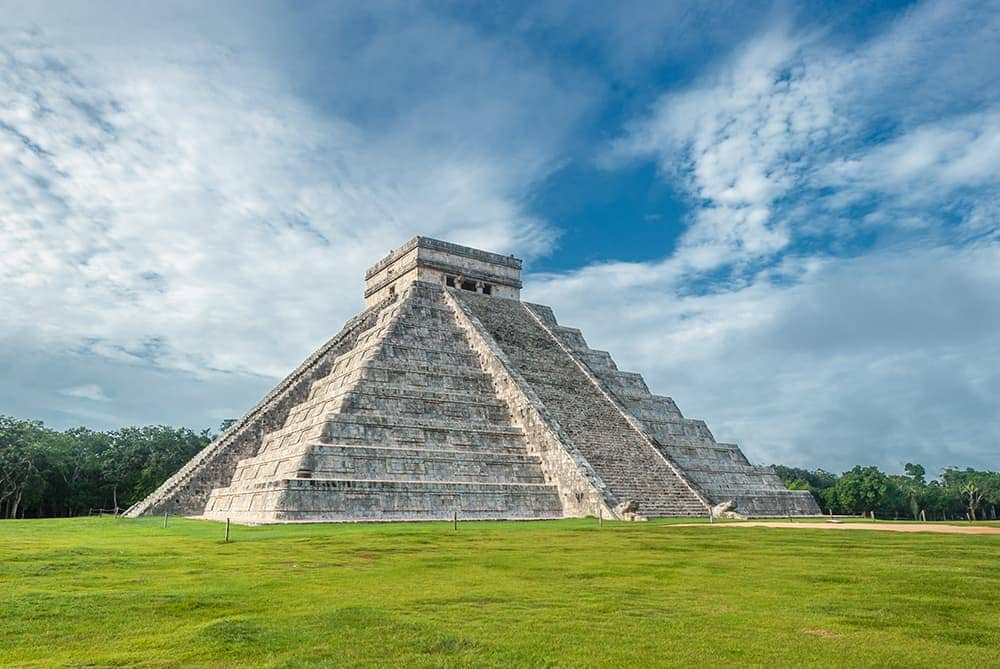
(442, 399)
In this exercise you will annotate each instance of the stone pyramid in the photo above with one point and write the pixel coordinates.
(448, 395)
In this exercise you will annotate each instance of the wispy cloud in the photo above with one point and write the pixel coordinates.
(90, 391)
(793, 139)
(181, 207)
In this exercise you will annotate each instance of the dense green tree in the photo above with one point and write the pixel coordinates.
(23, 445)
(976, 490)
(44, 472)
(866, 489)
(912, 486)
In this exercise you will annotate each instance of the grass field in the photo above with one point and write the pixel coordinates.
(564, 593)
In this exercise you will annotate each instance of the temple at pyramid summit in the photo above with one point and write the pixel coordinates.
(449, 396)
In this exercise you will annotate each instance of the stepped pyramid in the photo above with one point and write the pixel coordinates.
(448, 395)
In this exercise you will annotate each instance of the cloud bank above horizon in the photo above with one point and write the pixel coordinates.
(187, 204)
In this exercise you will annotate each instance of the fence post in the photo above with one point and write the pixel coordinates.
(164, 519)
(227, 530)
(454, 520)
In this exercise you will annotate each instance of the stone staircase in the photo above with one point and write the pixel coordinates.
(720, 471)
(631, 468)
(407, 426)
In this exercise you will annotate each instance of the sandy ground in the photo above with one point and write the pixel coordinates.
(878, 526)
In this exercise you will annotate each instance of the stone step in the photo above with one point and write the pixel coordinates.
(346, 500)
(598, 360)
(625, 384)
(652, 408)
(475, 406)
(426, 303)
(679, 426)
(440, 340)
(361, 403)
(478, 395)
(400, 372)
(775, 503)
(571, 337)
(392, 430)
(721, 491)
(715, 467)
(430, 356)
(700, 451)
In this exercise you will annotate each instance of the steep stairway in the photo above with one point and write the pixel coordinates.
(632, 469)
(720, 471)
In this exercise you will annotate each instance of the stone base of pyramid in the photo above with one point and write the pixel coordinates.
(334, 500)
(448, 395)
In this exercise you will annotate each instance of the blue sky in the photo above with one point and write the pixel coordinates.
(785, 215)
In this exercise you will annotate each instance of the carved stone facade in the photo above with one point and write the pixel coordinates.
(448, 395)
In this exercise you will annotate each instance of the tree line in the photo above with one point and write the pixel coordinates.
(48, 473)
(959, 493)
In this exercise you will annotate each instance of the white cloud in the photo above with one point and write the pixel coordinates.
(90, 391)
(929, 163)
(175, 205)
(737, 143)
(775, 145)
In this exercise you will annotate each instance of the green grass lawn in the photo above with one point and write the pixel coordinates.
(564, 593)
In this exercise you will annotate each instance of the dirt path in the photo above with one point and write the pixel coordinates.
(878, 526)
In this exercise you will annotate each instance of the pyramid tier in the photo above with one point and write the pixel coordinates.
(373, 463)
(374, 399)
(329, 500)
(422, 433)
